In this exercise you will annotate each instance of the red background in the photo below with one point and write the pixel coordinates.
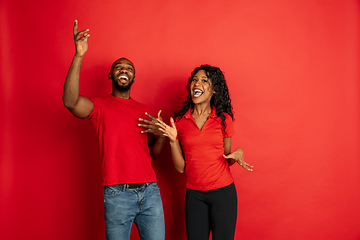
(293, 72)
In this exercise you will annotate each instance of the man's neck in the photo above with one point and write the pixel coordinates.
(123, 95)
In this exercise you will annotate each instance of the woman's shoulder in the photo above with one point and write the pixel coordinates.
(226, 115)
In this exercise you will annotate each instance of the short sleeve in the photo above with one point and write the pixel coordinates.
(95, 110)
(177, 128)
(229, 130)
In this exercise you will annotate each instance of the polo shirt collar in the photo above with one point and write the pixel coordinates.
(213, 113)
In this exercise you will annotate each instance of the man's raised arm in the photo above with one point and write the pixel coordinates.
(78, 105)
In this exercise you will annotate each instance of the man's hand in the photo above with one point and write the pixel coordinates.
(80, 39)
(151, 126)
(78, 105)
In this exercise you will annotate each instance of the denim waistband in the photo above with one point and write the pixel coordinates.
(131, 186)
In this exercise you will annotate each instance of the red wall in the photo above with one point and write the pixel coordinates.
(293, 72)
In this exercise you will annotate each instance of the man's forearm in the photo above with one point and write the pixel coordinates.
(72, 83)
(158, 147)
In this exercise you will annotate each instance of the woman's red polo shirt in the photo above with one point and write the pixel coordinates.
(206, 168)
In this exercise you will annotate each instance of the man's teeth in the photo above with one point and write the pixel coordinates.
(124, 77)
(197, 93)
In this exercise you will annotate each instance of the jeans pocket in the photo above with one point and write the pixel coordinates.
(154, 186)
(110, 191)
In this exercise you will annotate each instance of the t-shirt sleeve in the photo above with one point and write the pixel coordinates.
(229, 130)
(94, 112)
(177, 128)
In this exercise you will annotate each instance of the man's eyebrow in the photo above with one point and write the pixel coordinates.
(124, 64)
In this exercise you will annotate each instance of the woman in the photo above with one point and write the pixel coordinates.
(200, 139)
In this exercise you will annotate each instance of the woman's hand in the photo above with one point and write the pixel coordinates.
(238, 156)
(170, 132)
(176, 151)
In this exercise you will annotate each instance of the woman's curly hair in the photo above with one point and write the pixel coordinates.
(220, 100)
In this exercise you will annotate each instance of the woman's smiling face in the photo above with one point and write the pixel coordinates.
(201, 88)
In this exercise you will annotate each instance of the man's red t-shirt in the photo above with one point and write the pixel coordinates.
(124, 150)
(206, 168)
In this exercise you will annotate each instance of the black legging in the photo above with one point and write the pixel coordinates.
(214, 210)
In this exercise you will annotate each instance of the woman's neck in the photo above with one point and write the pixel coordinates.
(201, 109)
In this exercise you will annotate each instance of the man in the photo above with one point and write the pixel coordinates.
(131, 193)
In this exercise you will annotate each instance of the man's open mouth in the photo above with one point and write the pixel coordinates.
(123, 78)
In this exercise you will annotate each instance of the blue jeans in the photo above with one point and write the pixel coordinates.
(143, 206)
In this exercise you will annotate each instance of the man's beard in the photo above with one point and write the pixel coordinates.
(125, 88)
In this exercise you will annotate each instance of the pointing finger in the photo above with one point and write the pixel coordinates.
(76, 30)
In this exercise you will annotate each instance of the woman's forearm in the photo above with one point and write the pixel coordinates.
(177, 156)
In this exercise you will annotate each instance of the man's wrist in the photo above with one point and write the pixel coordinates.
(79, 56)
(160, 138)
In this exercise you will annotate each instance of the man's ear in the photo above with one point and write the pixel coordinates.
(109, 76)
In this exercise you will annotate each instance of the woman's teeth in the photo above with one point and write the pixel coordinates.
(197, 93)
